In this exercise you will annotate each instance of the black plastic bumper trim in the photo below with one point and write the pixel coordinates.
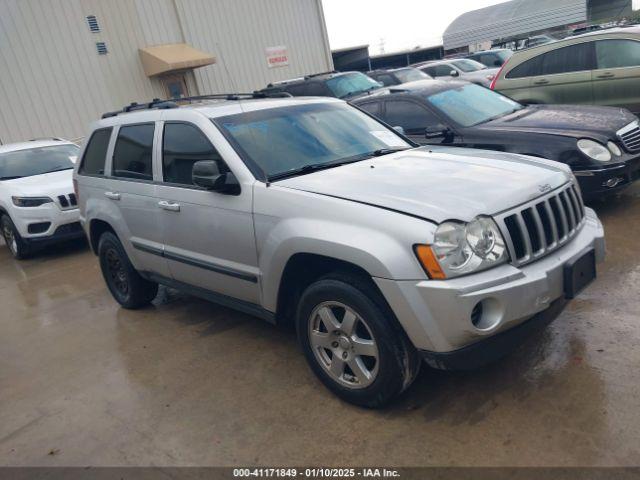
(493, 348)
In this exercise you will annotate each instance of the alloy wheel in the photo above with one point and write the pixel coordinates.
(10, 238)
(117, 272)
(343, 344)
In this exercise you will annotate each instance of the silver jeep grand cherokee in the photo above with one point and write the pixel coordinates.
(310, 212)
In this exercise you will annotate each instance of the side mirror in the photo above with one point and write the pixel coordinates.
(437, 131)
(399, 129)
(206, 174)
(454, 73)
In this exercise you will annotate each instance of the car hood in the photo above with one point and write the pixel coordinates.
(575, 121)
(438, 183)
(47, 185)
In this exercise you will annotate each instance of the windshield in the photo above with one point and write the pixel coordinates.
(411, 75)
(471, 104)
(288, 139)
(467, 65)
(37, 161)
(350, 84)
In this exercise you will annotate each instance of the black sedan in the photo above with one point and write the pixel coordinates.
(601, 144)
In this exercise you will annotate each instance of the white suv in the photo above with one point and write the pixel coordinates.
(37, 202)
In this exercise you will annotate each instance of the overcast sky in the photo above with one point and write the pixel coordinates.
(401, 24)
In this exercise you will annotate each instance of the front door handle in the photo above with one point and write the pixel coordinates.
(112, 195)
(171, 207)
(606, 75)
(541, 82)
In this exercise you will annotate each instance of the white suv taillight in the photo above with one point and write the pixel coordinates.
(75, 189)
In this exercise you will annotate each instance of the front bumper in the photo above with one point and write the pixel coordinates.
(437, 315)
(69, 231)
(53, 223)
(493, 348)
(598, 183)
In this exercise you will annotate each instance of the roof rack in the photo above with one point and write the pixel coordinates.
(159, 104)
(280, 83)
(320, 74)
(55, 139)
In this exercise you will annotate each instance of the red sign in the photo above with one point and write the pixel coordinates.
(277, 56)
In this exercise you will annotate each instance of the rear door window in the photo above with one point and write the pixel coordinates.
(575, 58)
(95, 154)
(183, 145)
(617, 53)
(371, 107)
(413, 118)
(133, 153)
(443, 70)
(429, 71)
(386, 79)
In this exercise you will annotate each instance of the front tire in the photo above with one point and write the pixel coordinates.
(18, 247)
(125, 284)
(352, 342)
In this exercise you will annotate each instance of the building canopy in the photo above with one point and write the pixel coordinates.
(160, 59)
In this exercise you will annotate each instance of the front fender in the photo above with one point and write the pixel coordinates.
(382, 253)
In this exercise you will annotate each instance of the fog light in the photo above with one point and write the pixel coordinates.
(613, 182)
(476, 314)
(35, 228)
(487, 314)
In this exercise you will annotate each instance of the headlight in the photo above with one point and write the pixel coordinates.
(460, 249)
(594, 150)
(30, 201)
(613, 148)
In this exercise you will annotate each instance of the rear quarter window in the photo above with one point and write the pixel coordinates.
(529, 68)
(95, 154)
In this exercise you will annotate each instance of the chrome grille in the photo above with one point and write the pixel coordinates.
(630, 137)
(543, 225)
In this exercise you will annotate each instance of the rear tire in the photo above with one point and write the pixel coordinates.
(18, 247)
(124, 282)
(353, 343)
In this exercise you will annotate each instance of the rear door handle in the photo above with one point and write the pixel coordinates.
(541, 82)
(171, 207)
(112, 195)
(606, 75)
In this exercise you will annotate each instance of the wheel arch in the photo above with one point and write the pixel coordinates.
(304, 268)
(96, 228)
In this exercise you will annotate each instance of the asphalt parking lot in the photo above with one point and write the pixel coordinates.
(185, 382)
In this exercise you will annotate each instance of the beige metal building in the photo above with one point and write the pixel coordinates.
(65, 62)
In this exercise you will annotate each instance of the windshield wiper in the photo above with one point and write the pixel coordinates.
(10, 178)
(325, 166)
(61, 169)
(495, 117)
(308, 169)
(366, 91)
(386, 151)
